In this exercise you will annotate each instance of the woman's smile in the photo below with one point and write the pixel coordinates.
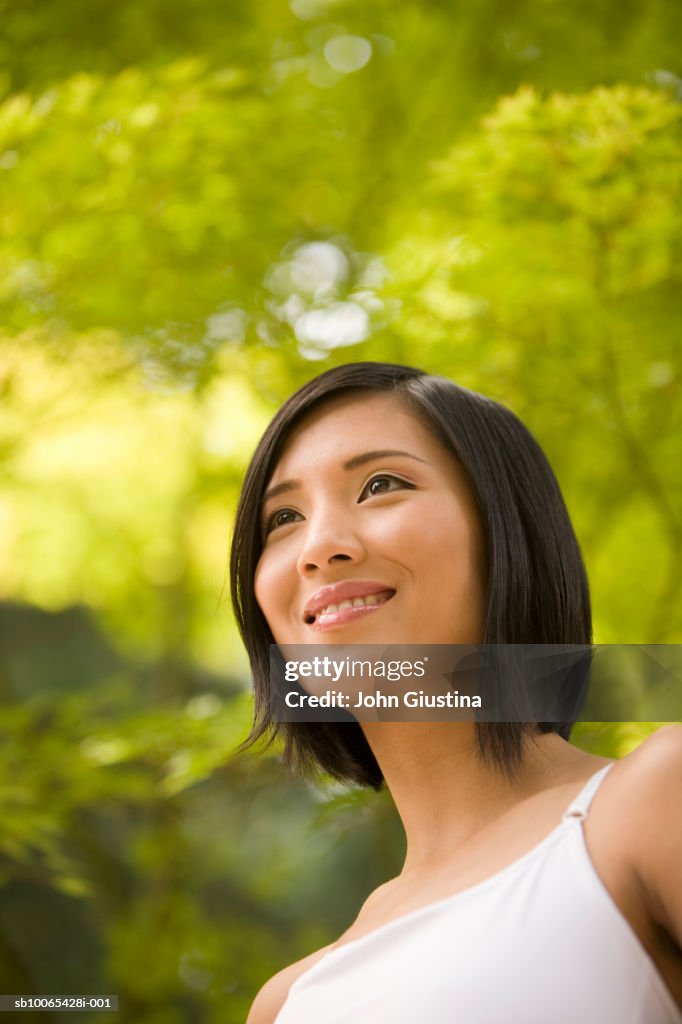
(370, 532)
(339, 603)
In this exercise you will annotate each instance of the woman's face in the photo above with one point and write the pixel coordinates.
(371, 534)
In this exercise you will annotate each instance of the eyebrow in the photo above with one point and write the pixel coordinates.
(352, 463)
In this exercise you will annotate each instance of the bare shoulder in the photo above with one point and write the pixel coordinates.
(274, 992)
(655, 765)
(647, 783)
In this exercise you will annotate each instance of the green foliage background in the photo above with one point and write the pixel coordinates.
(201, 206)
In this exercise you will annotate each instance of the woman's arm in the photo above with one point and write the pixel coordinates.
(656, 790)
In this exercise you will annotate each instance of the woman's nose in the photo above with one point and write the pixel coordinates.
(326, 544)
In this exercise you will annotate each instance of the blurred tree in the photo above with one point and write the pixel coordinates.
(551, 276)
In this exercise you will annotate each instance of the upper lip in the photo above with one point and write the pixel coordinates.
(334, 593)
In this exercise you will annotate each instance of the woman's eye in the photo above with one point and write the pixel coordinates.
(383, 485)
(282, 517)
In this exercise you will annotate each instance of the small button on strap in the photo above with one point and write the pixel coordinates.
(579, 807)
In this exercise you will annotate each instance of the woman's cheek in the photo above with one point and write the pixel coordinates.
(265, 584)
(276, 579)
(395, 525)
(415, 529)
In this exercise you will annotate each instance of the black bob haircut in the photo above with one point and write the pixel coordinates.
(537, 591)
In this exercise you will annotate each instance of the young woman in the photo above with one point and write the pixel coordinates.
(541, 883)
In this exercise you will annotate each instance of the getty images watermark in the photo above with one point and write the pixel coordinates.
(374, 672)
(484, 683)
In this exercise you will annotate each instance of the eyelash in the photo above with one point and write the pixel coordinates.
(386, 476)
(271, 525)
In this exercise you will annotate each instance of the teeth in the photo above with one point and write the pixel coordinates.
(356, 602)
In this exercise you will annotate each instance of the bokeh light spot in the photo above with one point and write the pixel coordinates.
(342, 323)
(348, 53)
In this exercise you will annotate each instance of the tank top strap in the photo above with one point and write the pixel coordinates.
(579, 807)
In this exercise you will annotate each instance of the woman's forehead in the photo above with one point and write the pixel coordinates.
(347, 426)
(352, 418)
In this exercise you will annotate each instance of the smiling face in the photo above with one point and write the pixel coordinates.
(371, 533)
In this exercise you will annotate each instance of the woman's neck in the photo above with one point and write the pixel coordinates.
(445, 792)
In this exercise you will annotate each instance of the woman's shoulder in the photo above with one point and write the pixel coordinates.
(647, 783)
(273, 994)
(656, 761)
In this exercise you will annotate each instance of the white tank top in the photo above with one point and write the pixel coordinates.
(540, 942)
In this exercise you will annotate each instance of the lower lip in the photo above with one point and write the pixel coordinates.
(345, 615)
